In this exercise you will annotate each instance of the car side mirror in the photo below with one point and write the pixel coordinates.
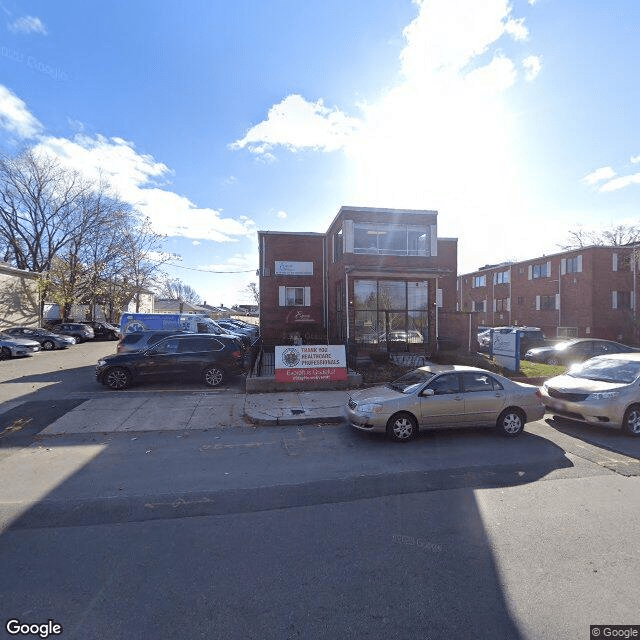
(428, 392)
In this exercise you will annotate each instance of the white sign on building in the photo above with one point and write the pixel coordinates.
(284, 268)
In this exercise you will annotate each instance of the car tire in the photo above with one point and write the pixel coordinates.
(5, 354)
(402, 427)
(631, 421)
(213, 376)
(117, 379)
(47, 345)
(510, 422)
(76, 340)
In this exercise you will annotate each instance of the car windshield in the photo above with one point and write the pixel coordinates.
(607, 370)
(410, 382)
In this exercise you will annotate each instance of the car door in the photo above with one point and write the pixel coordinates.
(442, 402)
(579, 352)
(195, 353)
(484, 398)
(160, 361)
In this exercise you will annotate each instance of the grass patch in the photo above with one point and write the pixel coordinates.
(538, 370)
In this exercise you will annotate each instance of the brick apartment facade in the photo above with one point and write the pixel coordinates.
(375, 275)
(587, 292)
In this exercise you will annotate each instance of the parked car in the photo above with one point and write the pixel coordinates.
(13, 347)
(103, 330)
(80, 332)
(438, 396)
(48, 340)
(237, 327)
(141, 340)
(176, 357)
(576, 350)
(412, 335)
(604, 390)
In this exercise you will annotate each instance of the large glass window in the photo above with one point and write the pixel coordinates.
(391, 311)
(398, 240)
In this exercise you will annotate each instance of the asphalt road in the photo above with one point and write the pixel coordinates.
(315, 531)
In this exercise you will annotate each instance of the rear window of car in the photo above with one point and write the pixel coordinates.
(132, 338)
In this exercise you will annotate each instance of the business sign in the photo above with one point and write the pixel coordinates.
(303, 315)
(311, 362)
(293, 268)
(505, 349)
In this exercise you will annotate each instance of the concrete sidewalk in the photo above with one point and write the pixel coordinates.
(138, 411)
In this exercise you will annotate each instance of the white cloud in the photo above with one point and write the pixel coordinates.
(517, 29)
(281, 214)
(634, 159)
(137, 178)
(15, 117)
(599, 175)
(620, 182)
(296, 123)
(532, 66)
(196, 243)
(28, 24)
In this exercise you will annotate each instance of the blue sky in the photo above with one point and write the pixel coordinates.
(516, 120)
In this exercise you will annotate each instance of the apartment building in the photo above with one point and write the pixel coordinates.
(376, 275)
(586, 292)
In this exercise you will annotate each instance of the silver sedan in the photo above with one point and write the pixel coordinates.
(604, 390)
(439, 396)
(12, 347)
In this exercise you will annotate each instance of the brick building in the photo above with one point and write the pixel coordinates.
(587, 292)
(376, 275)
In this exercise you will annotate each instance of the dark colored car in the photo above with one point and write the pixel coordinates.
(80, 332)
(48, 339)
(178, 357)
(103, 330)
(576, 350)
(141, 340)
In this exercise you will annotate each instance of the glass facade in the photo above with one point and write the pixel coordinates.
(395, 240)
(390, 311)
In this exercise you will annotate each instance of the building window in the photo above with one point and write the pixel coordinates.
(520, 300)
(390, 310)
(338, 246)
(621, 300)
(395, 240)
(478, 305)
(502, 304)
(540, 270)
(574, 265)
(502, 277)
(294, 296)
(547, 302)
(479, 281)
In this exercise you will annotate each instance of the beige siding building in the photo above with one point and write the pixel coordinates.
(19, 299)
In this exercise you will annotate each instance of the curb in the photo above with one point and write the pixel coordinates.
(293, 420)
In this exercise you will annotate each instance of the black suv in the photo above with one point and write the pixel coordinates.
(177, 357)
(103, 330)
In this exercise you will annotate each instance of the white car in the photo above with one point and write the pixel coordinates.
(12, 347)
(604, 390)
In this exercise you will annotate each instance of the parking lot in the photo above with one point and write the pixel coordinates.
(70, 373)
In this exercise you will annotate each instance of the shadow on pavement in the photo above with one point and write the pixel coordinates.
(611, 439)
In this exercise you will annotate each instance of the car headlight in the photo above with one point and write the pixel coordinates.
(603, 395)
(369, 408)
(101, 363)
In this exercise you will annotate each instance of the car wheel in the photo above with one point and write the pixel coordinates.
(47, 345)
(510, 422)
(552, 360)
(76, 340)
(631, 422)
(402, 427)
(117, 379)
(5, 354)
(213, 376)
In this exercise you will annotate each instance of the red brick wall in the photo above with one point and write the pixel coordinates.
(292, 248)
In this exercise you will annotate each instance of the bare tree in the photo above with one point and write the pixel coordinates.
(175, 289)
(612, 236)
(253, 290)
